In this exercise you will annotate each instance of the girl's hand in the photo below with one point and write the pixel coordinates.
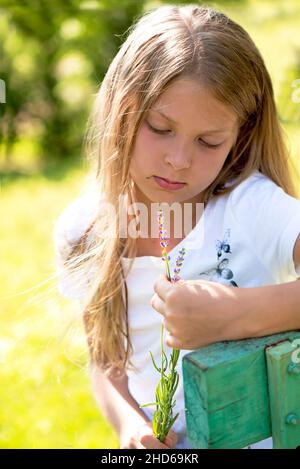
(143, 438)
(198, 312)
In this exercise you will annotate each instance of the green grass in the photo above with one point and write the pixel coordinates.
(45, 388)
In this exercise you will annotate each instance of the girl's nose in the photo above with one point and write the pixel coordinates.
(179, 157)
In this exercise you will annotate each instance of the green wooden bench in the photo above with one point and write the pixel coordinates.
(240, 392)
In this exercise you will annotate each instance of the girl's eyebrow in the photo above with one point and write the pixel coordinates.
(211, 131)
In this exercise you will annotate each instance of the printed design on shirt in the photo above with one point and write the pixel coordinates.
(223, 245)
(222, 273)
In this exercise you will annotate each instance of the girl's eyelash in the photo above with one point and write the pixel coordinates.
(162, 132)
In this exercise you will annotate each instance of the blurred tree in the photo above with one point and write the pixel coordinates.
(54, 54)
(289, 96)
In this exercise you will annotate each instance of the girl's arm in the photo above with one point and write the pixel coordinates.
(116, 403)
(271, 309)
(274, 308)
(198, 312)
(123, 413)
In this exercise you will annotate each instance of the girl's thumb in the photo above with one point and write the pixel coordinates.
(145, 431)
(171, 439)
(147, 437)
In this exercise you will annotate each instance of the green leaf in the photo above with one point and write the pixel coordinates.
(154, 426)
(155, 366)
(174, 357)
(148, 405)
(173, 420)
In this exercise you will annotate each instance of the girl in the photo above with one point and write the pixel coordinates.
(184, 115)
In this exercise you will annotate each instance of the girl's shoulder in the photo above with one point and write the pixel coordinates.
(267, 217)
(254, 178)
(74, 221)
(256, 188)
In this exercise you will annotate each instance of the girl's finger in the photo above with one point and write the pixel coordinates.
(172, 342)
(157, 304)
(169, 328)
(147, 439)
(171, 439)
(162, 286)
(160, 307)
(151, 442)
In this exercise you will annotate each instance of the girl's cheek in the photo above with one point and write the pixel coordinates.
(148, 138)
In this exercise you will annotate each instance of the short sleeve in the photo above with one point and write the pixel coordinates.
(270, 219)
(70, 226)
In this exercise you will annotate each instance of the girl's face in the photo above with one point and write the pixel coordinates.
(188, 144)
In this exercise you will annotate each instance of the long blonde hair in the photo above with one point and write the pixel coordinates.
(163, 45)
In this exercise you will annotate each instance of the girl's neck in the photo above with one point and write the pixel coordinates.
(148, 243)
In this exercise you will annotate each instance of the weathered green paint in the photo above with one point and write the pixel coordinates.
(284, 392)
(226, 392)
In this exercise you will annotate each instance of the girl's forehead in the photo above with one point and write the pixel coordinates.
(188, 91)
(189, 100)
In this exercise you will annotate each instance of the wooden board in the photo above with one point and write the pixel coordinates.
(284, 393)
(226, 392)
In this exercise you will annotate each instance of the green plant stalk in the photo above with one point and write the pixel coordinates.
(163, 418)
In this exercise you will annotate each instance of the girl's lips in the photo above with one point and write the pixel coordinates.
(168, 185)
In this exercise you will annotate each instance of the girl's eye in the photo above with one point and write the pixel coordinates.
(157, 130)
(163, 132)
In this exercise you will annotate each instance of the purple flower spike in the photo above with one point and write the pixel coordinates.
(164, 242)
(179, 262)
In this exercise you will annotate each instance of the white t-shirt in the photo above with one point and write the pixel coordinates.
(243, 239)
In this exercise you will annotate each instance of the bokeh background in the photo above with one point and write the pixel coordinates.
(53, 56)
